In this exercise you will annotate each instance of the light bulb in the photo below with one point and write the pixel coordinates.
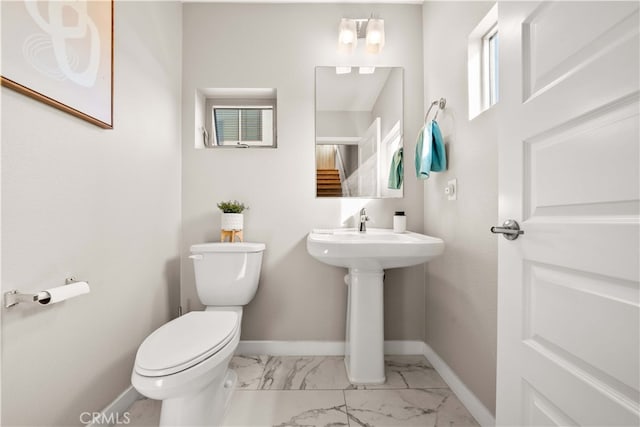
(374, 37)
(346, 37)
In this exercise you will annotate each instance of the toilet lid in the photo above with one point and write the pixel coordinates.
(246, 247)
(185, 341)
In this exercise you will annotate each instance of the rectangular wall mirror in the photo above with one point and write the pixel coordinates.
(359, 130)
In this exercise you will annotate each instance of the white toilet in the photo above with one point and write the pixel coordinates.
(185, 362)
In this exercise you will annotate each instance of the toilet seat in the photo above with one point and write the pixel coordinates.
(185, 342)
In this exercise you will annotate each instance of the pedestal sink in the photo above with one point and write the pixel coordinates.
(367, 255)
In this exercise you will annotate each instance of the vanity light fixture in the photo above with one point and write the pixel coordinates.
(366, 70)
(350, 30)
(343, 70)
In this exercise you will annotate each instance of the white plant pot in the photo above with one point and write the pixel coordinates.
(232, 221)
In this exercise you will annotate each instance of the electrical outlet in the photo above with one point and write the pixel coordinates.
(451, 190)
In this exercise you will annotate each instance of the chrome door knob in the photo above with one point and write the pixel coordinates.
(510, 229)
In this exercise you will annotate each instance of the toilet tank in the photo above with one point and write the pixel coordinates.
(227, 273)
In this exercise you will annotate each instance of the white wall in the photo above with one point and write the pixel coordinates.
(461, 285)
(342, 123)
(103, 205)
(279, 46)
(386, 107)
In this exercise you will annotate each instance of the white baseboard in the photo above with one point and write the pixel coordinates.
(484, 417)
(319, 348)
(116, 409)
(336, 348)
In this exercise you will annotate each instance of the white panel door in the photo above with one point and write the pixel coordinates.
(568, 292)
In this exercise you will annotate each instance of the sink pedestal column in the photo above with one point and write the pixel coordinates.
(364, 352)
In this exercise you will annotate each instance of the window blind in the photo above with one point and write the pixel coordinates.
(227, 124)
(238, 124)
(251, 125)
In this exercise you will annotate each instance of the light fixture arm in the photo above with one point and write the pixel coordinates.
(361, 27)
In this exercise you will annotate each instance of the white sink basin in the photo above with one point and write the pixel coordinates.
(374, 249)
(366, 255)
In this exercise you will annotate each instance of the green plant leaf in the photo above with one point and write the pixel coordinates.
(232, 206)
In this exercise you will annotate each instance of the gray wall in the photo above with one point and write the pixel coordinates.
(279, 45)
(103, 205)
(461, 285)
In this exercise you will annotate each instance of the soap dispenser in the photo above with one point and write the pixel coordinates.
(399, 222)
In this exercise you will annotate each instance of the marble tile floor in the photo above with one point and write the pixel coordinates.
(314, 391)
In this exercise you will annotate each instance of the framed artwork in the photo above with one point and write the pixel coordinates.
(61, 53)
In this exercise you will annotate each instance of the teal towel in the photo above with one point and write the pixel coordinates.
(430, 154)
(397, 170)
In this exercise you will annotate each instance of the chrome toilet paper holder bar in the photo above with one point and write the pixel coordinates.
(14, 297)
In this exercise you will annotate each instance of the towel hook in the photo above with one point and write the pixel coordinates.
(441, 103)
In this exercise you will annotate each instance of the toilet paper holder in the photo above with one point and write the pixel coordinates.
(15, 297)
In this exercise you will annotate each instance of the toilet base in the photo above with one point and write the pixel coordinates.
(206, 407)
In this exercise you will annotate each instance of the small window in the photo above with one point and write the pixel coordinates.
(490, 67)
(242, 125)
(235, 118)
(482, 62)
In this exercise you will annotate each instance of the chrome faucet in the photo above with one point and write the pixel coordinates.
(363, 221)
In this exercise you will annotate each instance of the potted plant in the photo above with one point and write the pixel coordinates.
(232, 217)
